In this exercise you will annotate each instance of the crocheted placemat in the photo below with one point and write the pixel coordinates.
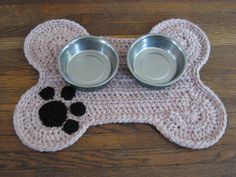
(51, 115)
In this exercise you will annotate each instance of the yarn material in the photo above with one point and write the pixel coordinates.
(188, 113)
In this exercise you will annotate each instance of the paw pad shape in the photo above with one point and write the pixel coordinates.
(54, 112)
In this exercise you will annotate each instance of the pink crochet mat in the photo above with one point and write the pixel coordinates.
(51, 115)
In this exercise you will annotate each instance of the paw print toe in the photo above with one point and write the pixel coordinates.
(70, 126)
(78, 109)
(53, 114)
(47, 93)
(68, 92)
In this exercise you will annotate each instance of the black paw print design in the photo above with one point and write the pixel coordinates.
(54, 113)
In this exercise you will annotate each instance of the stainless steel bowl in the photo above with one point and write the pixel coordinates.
(88, 62)
(156, 60)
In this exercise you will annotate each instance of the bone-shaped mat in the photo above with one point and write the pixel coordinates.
(51, 115)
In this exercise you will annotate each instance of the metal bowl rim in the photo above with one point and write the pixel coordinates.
(180, 48)
(67, 45)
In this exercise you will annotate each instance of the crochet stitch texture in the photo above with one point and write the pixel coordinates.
(188, 113)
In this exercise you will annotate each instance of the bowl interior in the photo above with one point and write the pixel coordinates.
(94, 54)
(164, 45)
